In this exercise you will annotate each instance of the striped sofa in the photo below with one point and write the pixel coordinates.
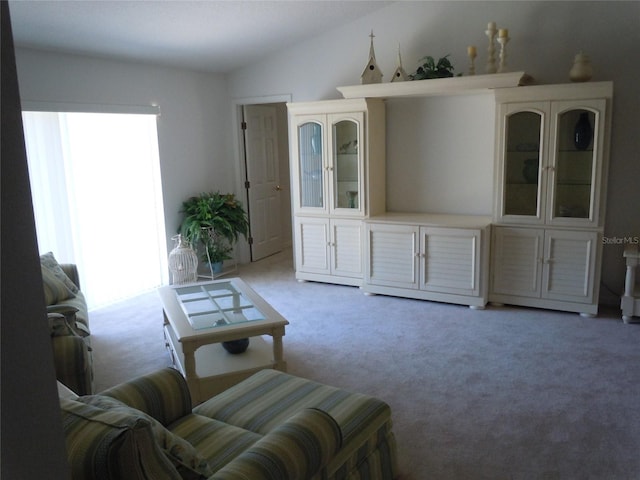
(270, 426)
(68, 323)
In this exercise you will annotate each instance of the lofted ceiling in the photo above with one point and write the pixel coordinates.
(207, 35)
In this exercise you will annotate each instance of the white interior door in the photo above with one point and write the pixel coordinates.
(263, 180)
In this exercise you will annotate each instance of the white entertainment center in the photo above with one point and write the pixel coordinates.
(499, 202)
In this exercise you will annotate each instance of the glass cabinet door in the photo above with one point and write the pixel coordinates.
(346, 167)
(310, 156)
(522, 176)
(574, 162)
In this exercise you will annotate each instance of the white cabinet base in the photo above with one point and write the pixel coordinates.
(442, 258)
(476, 303)
(586, 310)
(553, 269)
(329, 250)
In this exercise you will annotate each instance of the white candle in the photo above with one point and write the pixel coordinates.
(491, 26)
(503, 32)
(471, 50)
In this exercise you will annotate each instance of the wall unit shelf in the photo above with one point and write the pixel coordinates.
(437, 86)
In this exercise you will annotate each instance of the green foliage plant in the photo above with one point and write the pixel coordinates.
(215, 221)
(430, 69)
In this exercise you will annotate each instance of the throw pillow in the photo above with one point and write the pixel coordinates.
(55, 290)
(188, 462)
(49, 261)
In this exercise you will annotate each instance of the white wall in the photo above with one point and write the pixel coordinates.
(545, 36)
(193, 131)
(440, 154)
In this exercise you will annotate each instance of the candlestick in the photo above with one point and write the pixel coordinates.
(472, 53)
(491, 59)
(503, 54)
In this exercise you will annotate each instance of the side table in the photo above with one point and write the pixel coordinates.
(630, 302)
(200, 316)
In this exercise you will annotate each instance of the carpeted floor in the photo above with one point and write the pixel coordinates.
(503, 393)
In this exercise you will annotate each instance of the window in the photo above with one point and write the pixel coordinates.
(97, 198)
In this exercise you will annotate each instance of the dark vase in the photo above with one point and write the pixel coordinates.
(236, 346)
(583, 132)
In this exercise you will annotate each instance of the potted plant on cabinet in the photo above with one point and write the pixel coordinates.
(214, 221)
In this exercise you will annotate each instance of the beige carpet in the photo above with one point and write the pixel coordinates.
(504, 393)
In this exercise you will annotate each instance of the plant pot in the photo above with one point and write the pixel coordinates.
(216, 267)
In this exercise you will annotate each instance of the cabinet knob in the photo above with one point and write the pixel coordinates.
(278, 188)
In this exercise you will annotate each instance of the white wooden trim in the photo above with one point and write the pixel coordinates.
(438, 86)
(38, 106)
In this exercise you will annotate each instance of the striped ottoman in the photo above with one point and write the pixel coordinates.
(268, 398)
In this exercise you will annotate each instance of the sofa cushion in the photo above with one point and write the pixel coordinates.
(49, 261)
(295, 450)
(54, 289)
(105, 444)
(182, 454)
(269, 397)
(216, 441)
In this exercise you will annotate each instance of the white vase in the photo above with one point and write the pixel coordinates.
(183, 262)
(581, 70)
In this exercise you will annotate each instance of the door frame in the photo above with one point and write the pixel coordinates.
(244, 250)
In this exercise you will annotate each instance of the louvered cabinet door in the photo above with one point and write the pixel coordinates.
(346, 248)
(450, 260)
(392, 255)
(569, 263)
(312, 244)
(517, 261)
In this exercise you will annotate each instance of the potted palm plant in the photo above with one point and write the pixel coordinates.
(214, 221)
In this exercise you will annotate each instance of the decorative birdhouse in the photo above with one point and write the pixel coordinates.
(371, 73)
(399, 75)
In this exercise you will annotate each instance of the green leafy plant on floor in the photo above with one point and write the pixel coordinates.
(430, 69)
(214, 221)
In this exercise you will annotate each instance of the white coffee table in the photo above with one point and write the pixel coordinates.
(199, 317)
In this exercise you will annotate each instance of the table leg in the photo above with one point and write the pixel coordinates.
(278, 350)
(190, 373)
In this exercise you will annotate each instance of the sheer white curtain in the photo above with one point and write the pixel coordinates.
(97, 196)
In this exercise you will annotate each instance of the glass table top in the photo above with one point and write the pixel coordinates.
(216, 305)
